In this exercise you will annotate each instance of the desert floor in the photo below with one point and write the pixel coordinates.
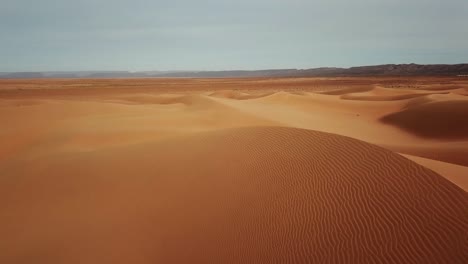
(277, 170)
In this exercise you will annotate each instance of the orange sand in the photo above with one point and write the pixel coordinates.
(302, 170)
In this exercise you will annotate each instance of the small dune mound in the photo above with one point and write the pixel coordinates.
(419, 101)
(157, 99)
(366, 97)
(238, 95)
(461, 91)
(192, 100)
(244, 195)
(299, 93)
(347, 90)
(385, 94)
(433, 119)
(441, 86)
(281, 96)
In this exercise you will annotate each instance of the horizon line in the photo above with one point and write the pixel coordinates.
(237, 69)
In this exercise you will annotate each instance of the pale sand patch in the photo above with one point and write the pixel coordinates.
(455, 173)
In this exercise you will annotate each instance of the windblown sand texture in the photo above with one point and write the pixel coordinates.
(313, 170)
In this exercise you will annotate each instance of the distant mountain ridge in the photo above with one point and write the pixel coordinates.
(376, 70)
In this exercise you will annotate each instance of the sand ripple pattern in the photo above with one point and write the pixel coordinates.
(243, 195)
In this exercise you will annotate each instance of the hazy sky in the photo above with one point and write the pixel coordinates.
(41, 35)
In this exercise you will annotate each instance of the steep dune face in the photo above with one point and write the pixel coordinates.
(243, 195)
(443, 119)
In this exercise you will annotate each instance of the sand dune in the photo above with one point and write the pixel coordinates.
(461, 91)
(301, 170)
(252, 195)
(357, 119)
(445, 119)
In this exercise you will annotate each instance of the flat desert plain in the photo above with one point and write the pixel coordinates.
(280, 170)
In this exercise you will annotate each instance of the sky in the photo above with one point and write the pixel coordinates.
(138, 35)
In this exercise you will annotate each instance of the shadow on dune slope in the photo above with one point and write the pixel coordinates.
(439, 120)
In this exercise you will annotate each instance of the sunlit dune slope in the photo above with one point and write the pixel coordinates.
(240, 195)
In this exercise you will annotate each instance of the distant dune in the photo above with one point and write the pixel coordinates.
(256, 170)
